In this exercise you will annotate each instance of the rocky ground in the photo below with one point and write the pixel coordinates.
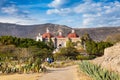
(111, 58)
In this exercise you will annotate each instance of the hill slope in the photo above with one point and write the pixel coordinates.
(30, 31)
(111, 58)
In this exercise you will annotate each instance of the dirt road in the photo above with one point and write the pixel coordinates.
(67, 73)
(34, 76)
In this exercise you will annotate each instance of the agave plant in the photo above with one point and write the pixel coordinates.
(97, 73)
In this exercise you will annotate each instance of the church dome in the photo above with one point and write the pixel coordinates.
(47, 34)
(72, 35)
(60, 35)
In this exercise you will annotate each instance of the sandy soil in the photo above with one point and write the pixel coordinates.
(67, 73)
(34, 76)
(82, 76)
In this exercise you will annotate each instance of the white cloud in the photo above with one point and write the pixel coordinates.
(88, 7)
(10, 10)
(57, 3)
(7, 19)
(62, 11)
(99, 14)
(86, 14)
(15, 12)
(51, 11)
(93, 13)
(16, 20)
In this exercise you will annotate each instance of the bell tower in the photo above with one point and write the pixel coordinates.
(39, 37)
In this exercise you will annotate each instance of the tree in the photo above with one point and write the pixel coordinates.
(101, 46)
(50, 44)
(96, 48)
(39, 53)
(91, 47)
(24, 42)
(69, 43)
(6, 40)
(86, 37)
(26, 51)
(67, 52)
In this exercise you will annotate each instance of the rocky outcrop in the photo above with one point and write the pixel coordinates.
(111, 58)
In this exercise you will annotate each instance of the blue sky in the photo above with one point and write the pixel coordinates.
(73, 13)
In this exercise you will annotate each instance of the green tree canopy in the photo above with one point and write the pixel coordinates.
(96, 48)
(67, 52)
(69, 43)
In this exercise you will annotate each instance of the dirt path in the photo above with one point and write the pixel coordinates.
(34, 76)
(67, 73)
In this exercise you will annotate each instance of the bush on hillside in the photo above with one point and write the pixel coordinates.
(85, 57)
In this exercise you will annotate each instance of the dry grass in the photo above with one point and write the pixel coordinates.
(60, 64)
(32, 76)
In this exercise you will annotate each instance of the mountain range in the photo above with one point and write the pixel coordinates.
(31, 31)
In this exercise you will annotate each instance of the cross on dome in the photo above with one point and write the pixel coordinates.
(73, 31)
(47, 30)
(39, 34)
(60, 33)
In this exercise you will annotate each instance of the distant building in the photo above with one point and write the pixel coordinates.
(59, 40)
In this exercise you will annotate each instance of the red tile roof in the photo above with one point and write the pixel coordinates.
(47, 35)
(60, 36)
(72, 35)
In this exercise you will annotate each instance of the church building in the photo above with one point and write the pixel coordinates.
(59, 40)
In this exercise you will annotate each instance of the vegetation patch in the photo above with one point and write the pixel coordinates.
(97, 73)
(60, 64)
(85, 57)
(23, 55)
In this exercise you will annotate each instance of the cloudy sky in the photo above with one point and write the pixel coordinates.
(73, 13)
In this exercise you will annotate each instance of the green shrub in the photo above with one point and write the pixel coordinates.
(87, 57)
(97, 73)
(66, 53)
